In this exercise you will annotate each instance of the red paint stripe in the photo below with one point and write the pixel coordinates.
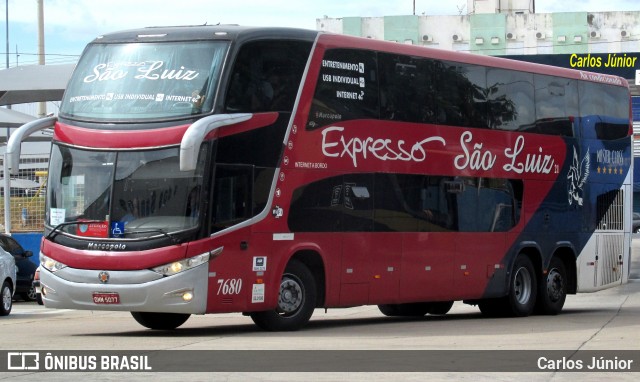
(111, 260)
(118, 139)
(129, 139)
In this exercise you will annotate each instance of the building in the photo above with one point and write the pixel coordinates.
(607, 42)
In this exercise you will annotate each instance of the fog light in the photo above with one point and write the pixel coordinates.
(187, 296)
(45, 290)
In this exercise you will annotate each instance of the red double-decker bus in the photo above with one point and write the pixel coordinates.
(273, 171)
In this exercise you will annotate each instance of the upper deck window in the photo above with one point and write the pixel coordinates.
(144, 81)
(266, 76)
(347, 88)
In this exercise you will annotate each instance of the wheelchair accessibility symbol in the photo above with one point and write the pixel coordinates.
(117, 229)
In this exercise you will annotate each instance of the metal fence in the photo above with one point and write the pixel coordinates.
(27, 194)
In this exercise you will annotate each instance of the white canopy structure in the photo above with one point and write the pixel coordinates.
(12, 118)
(33, 83)
(27, 84)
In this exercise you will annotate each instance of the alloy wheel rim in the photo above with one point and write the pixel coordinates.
(522, 285)
(6, 298)
(291, 295)
(555, 285)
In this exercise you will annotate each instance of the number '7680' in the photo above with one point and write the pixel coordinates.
(229, 286)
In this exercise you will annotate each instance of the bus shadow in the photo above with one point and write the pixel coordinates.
(317, 324)
(385, 326)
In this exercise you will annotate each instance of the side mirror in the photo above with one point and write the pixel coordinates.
(26, 254)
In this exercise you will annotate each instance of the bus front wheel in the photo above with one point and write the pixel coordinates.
(296, 301)
(160, 321)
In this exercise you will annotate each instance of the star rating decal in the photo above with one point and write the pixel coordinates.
(610, 170)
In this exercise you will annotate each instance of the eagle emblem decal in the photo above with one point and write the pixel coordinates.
(577, 177)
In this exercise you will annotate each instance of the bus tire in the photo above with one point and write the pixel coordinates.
(492, 307)
(389, 310)
(552, 291)
(296, 301)
(6, 294)
(160, 321)
(521, 299)
(440, 307)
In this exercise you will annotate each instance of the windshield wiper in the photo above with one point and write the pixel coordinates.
(56, 229)
(173, 239)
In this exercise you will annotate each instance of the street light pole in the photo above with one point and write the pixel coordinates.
(7, 29)
(7, 182)
(42, 109)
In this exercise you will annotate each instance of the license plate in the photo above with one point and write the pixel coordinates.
(106, 298)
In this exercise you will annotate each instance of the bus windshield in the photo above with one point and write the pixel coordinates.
(144, 81)
(130, 194)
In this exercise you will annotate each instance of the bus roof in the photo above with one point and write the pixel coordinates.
(205, 32)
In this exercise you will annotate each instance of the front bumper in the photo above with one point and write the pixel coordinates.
(138, 291)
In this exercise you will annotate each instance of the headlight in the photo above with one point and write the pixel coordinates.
(50, 263)
(182, 265)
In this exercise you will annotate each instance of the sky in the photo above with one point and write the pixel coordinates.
(71, 24)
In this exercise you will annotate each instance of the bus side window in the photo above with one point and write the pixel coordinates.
(556, 104)
(461, 95)
(511, 99)
(232, 198)
(346, 88)
(317, 207)
(266, 76)
(602, 116)
(357, 203)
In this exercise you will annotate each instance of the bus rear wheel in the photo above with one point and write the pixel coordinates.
(522, 294)
(521, 299)
(552, 291)
(492, 307)
(296, 301)
(160, 321)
